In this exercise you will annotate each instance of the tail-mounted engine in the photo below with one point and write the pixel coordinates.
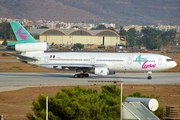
(29, 47)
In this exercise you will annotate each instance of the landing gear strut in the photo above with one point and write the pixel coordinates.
(149, 75)
(82, 75)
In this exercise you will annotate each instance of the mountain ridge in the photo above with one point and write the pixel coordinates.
(123, 12)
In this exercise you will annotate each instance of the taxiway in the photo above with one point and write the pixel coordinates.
(13, 81)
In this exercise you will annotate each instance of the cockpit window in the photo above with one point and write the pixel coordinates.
(168, 60)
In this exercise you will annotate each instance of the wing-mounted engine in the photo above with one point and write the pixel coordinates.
(29, 47)
(101, 71)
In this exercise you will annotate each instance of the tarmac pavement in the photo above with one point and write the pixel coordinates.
(14, 81)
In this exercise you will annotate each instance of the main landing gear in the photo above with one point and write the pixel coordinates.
(81, 75)
(149, 75)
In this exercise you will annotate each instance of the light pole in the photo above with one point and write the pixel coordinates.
(46, 108)
(121, 99)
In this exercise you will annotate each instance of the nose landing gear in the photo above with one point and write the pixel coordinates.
(149, 75)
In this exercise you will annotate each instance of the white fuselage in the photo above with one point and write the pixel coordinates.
(138, 62)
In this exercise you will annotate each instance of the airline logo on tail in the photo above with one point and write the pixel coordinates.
(21, 35)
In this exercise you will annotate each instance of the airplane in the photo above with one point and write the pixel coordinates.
(32, 52)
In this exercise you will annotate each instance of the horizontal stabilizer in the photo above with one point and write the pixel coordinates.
(23, 57)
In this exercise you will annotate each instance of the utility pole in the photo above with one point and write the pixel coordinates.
(121, 99)
(46, 108)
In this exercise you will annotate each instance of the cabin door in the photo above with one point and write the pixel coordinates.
(129, 61)
(160, 61)
(93, 60)
(129, 64)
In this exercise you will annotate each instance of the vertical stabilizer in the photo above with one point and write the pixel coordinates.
(22, 35)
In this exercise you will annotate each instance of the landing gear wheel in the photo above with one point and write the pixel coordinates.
(86, 75)
(81, 76)
(149, 77)
(76, 76)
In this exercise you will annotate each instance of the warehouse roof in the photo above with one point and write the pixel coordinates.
(36, 31)
(73, 32)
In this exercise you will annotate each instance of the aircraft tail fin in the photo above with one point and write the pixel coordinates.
(22, 35)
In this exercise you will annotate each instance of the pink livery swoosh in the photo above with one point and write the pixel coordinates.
(21, 34)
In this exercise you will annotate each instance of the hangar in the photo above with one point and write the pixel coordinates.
(70, 36)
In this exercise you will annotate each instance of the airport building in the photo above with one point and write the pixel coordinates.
(71, 36)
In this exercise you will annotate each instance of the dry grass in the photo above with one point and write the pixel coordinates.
(15, 104)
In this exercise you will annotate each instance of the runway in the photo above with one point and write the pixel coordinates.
(14, 81)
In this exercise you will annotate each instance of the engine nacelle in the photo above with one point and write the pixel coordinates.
(101, 71)
(31, 47)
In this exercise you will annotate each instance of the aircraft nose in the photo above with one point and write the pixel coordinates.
(174, 64)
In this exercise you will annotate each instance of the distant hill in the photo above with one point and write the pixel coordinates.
(122, 12)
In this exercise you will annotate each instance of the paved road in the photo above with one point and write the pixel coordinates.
(13, 81)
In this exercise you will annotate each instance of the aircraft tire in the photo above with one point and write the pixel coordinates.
(76, 76)
(86, 75)
(149, 77)
(81, 76)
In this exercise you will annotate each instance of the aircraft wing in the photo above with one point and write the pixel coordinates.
(77, 66)
(82, 65)
(23, 57)
(72, 66)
